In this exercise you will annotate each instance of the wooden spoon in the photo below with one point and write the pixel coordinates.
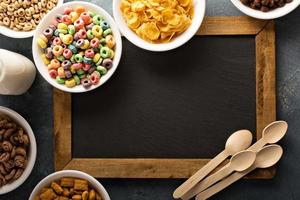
(270, 135)
(239, 162)
(266, 157)
(237, 142)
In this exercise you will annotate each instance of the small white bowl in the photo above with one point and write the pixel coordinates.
(272, 14)
(37, 51)
(199, 10)
(32, 150)
(69, 173)
(20, 34)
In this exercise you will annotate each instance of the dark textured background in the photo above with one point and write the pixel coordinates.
(159, 106)
(36, 107)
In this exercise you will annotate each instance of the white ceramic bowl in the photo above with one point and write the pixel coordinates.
(70, 173)
(199, 6)
(32, 150)
(20, 34)
(37, 51)
(272, 14)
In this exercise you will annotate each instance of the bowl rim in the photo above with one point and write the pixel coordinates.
(22, 34)
(273, 14)
(139, 42)
(32, 150)
(70, 173)
(116, 59)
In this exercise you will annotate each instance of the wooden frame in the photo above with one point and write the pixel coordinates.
(178, 168)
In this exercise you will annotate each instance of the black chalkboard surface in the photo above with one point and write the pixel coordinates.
(166, 114)
(178, 104)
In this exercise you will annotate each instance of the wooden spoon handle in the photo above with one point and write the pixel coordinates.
(223, 184)
(199, 175)
(257, 145)
(209, 181)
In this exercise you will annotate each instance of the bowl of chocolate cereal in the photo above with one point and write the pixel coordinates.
(18, 19)
(266, 9)
(17, 150)
(69, 184)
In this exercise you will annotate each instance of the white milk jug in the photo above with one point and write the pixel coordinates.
(17, 73)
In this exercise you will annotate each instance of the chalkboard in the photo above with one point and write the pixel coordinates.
(160, 111)
(178, 104)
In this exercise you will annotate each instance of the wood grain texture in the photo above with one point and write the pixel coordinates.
(265, 77)
(145, 168)
(62, 129)
(231, 26)
(178, 168)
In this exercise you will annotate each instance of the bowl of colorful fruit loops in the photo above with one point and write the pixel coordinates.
(77, 47)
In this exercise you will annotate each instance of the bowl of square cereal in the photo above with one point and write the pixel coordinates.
(69, 184)
(77, 47)
(17, 150)
(18, 19)
(159, 25)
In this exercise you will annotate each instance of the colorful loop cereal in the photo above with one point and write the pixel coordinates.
(89, 34)
(66, 19)
(85, 16)
(61, 72)
(57, 50)
(95, 43)
(72, 48)
(79, 24)
(45, 60)
(48, 53)
(56, 41)
(53, 73)
(96, 57)
(85, 45)
(107, 32)
(105, 52)
(78, 48)
(82, 34)
(97, 31)
(42, 43)
(97, 20)
(104, 25)
(95, 77)
(78, 58)
(86, 67)
(74, 16)
(107, 63)
(66, 64)
(67, 53)
(67, 39)
(89, 53)
(86, 82)
(71, 29)
(54, 64)
(68, 10)
(110, 41)
(60, 80)
(68, 74)
(87, 60)
(79, 43)
(102, 70)
(48, 33)
(62, 26)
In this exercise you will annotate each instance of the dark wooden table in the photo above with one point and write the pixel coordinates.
(36, 107)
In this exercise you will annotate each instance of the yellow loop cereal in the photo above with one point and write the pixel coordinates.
(158, 21)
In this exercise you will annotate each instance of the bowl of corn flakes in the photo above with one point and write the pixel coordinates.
(159, 25)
